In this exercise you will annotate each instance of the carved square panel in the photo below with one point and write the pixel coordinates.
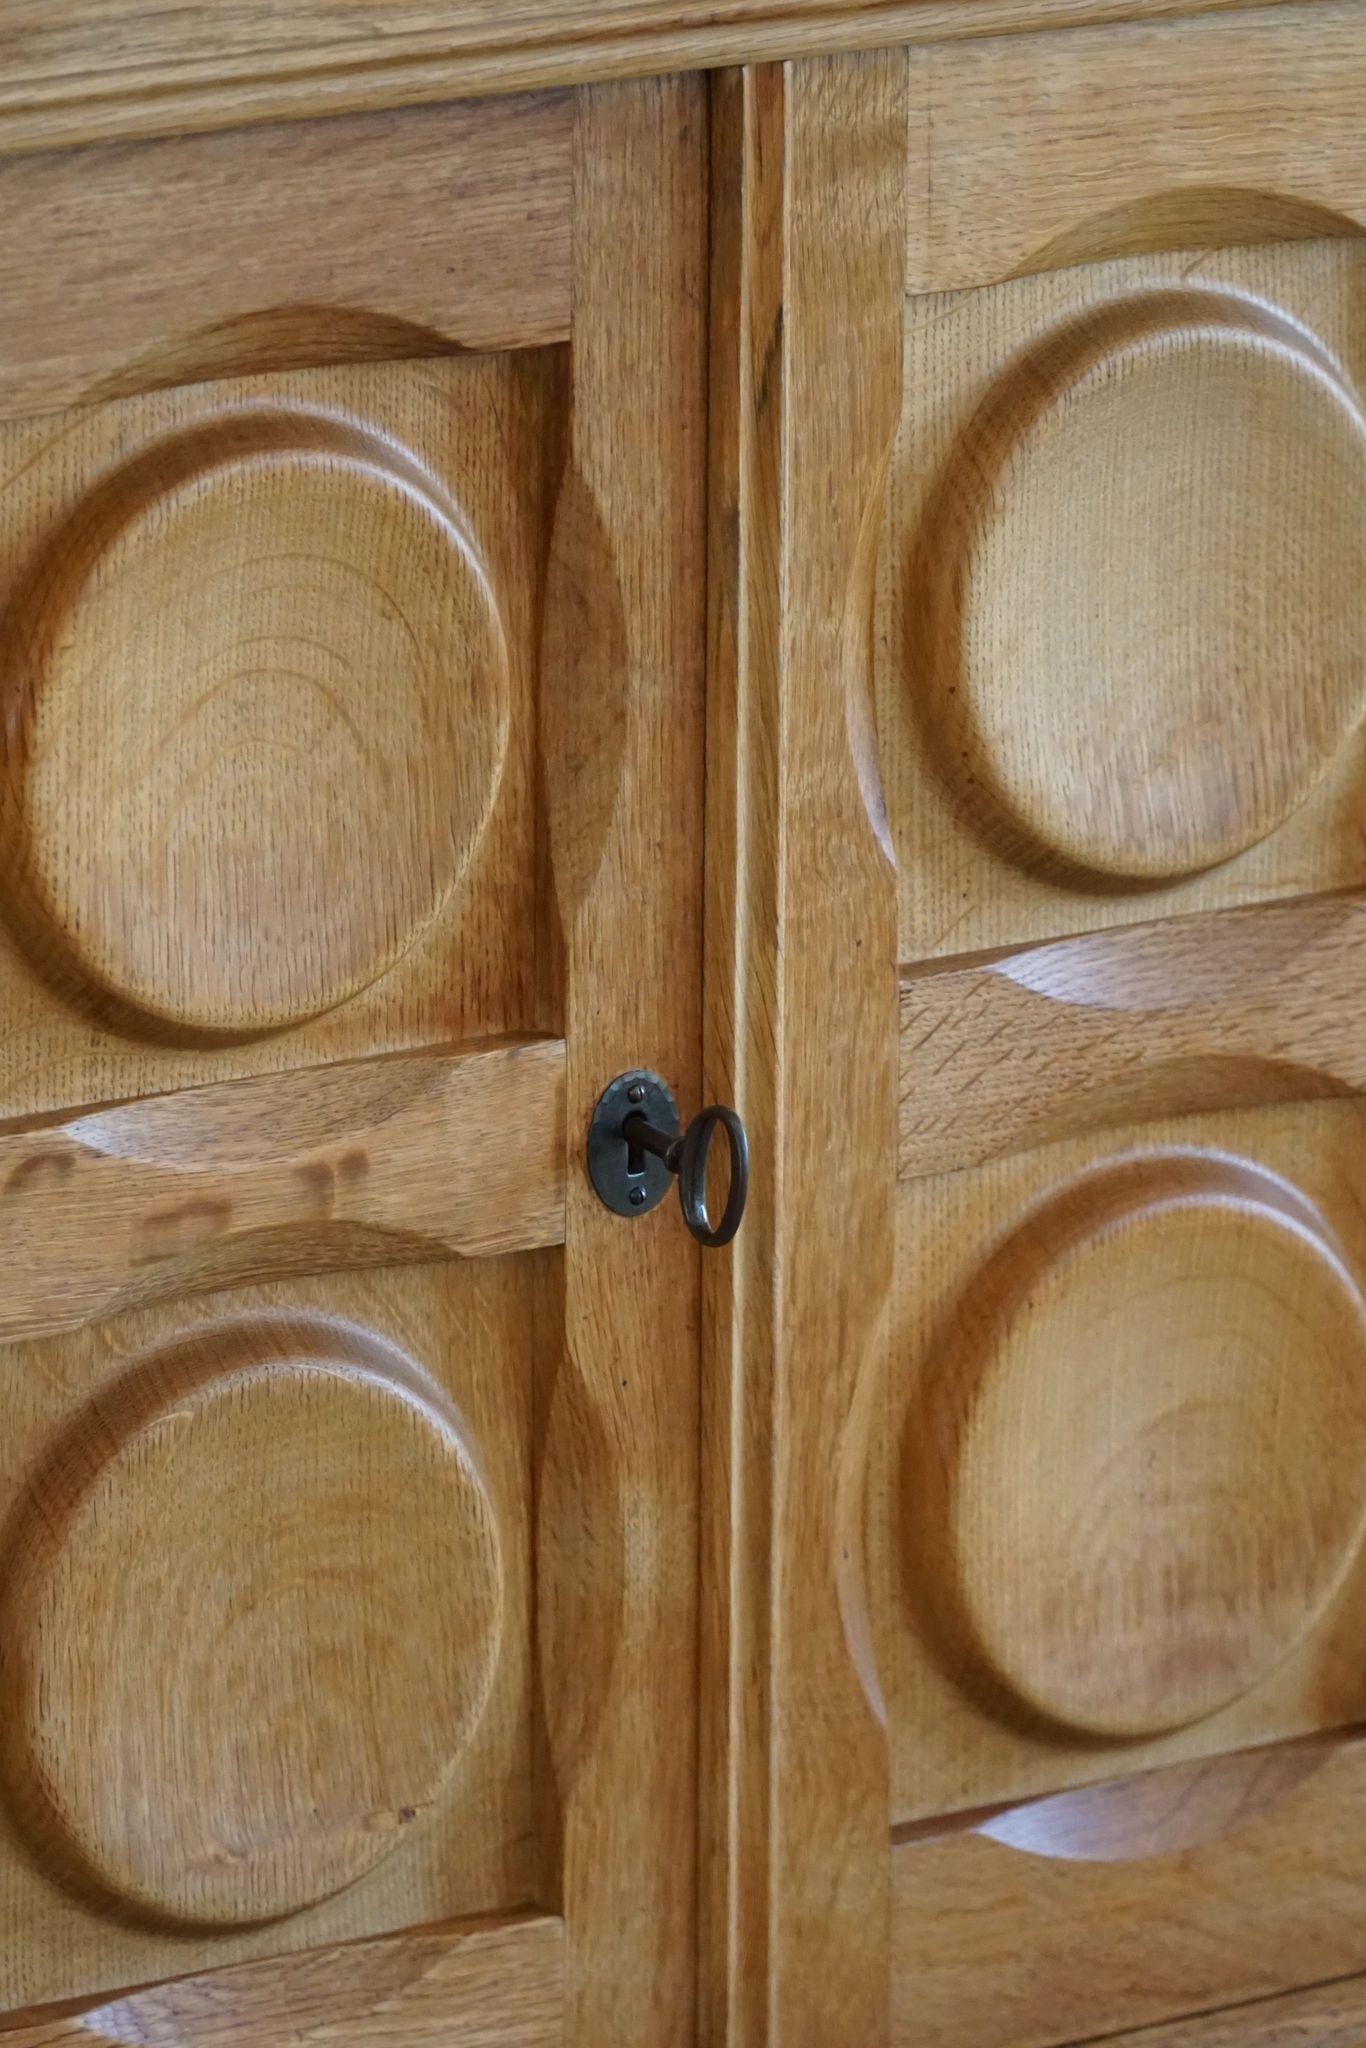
(1122, 639)
(268, 658)
(265, 1654)
(1119, 1491)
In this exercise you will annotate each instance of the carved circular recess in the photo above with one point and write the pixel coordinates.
(253, 1610)
(1139, 1476)
(263, 695)
(1138, 605)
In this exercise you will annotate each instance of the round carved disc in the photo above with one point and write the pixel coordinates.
(252, 1621)
(265, 690)
(1145, 588)
(1152, 1410)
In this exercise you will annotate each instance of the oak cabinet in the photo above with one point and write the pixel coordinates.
(832, 570)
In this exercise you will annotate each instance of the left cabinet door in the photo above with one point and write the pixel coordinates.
(351, 670)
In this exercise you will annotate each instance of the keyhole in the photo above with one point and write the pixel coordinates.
(635, 1156)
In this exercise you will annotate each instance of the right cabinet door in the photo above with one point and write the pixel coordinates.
(1051, 417)
(1118, 1481)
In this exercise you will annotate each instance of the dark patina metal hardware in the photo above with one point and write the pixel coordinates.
(635, 1148)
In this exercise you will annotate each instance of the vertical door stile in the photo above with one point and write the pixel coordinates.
(621, 738)
(808, 257)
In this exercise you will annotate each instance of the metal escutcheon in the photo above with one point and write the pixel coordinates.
(635, 1148)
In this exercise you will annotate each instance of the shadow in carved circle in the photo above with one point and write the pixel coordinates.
(1137, 598)
(256, 707)
(252, 1611)
(1136, 1475)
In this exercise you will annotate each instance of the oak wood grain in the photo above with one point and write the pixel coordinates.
(1157, 1813)
(1006, 175)
(495, 1984)
(268, 647)
(1244, 1006)
(266, 1652)
(204, 256)
(621, 750)
(1327, 2016)
(800, 1001)
(1081, 720)
(372, 1162)
(1010, 1949)
(740, 1300)
(1088, 1562)
(180, 67)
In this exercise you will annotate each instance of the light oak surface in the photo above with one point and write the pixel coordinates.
(352, 812)
(800, 997)
(269, 647)
(202, 256)
(1008, 175)
(622, 752)
(1114, 1512)
(1117, 489)
(999, 1947)
(1329, 2016)
(271, 628)
(495, 1985)
(845, 575)
(266, 1649)
(86, 69)
(1260, 1004)
(1124, 1446)
(418, 1156)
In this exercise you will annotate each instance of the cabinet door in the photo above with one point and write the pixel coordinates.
(1047, 644)
(350, 653)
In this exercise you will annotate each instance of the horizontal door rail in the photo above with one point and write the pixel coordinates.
(410, 1156)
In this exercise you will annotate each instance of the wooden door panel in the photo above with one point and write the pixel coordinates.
(1120, 675)
(1038, 599)
(1125, 1439)
(270, 651)
(1127, 594)
(267, 1632)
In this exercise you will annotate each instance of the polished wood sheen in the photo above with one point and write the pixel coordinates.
(308, 1420)
(282, 513)
(495, 1984)
(1090, 1561)
(1203, 402)
(243, 1535)
(1145, 1329)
